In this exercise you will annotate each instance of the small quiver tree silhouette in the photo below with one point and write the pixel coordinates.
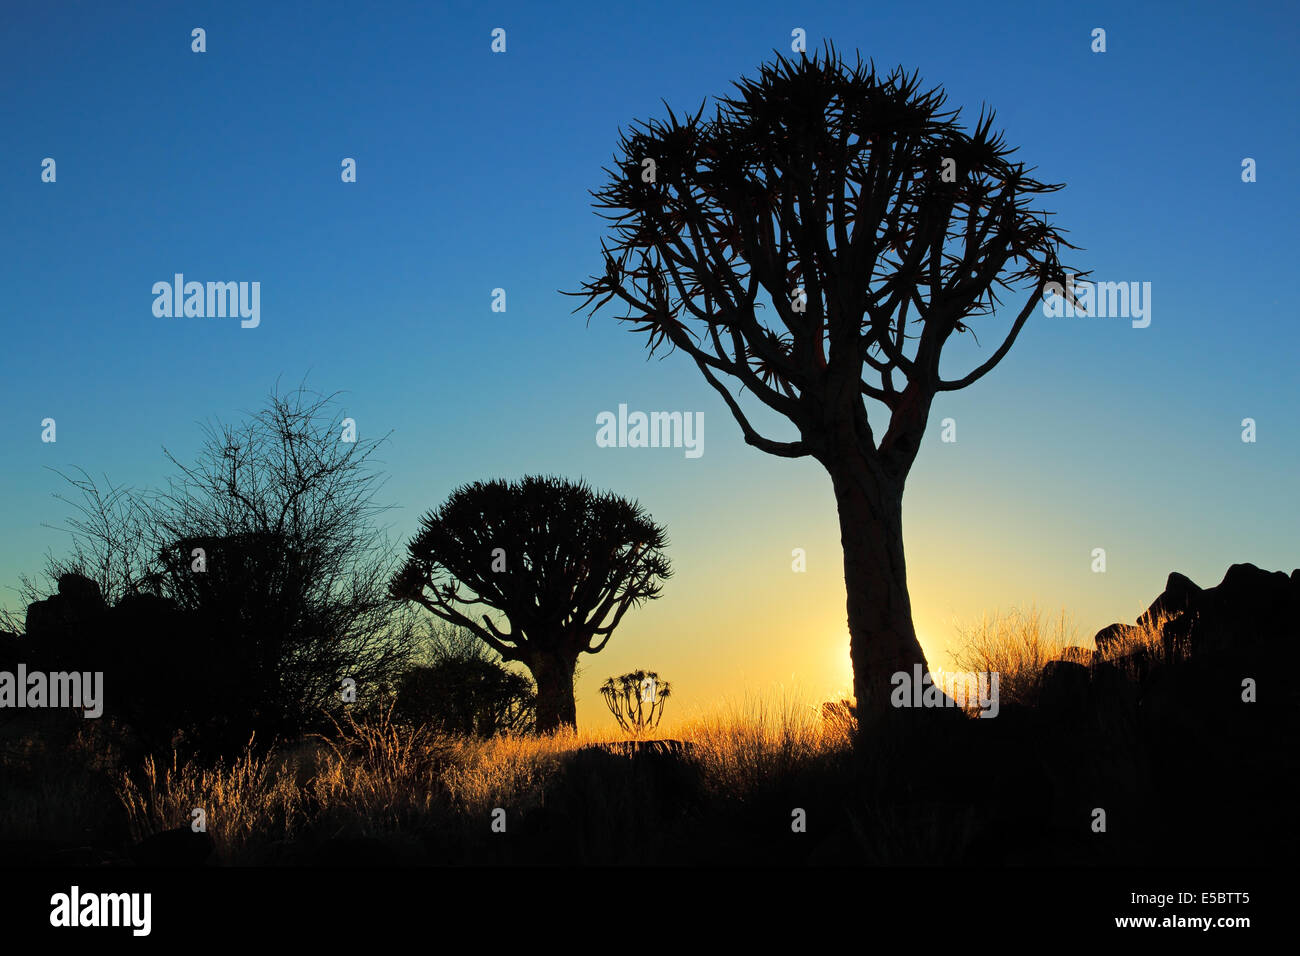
(636, 700)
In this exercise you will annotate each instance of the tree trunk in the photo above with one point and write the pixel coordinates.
(882, 641)
(555, 704)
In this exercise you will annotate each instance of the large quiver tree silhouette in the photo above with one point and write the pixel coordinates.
(560, 564)
(816, 243)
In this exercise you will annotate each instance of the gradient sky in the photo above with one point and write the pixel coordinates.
(473, 171)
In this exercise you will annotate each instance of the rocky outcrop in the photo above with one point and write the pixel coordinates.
(1249, 608)
(1192, 700)
(77, 605)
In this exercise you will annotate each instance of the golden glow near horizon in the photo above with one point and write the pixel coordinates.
(748, 626)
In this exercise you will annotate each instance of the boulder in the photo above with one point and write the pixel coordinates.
(1115, 638)
(1079, 655)
(178, 847)
(1065, 693)
(77, 604)
(1249, 608)
(81, 591)
(1180, 595)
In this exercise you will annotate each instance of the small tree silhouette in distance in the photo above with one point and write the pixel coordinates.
(636, 700)
(561, 563)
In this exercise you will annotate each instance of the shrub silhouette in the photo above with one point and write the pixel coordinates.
(463, 688)
(252, 585)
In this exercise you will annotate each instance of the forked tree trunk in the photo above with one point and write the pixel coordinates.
(882, 640)
(555, 704)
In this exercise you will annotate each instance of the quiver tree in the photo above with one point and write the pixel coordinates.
(817, 242)
(636, 700)
(558, 563)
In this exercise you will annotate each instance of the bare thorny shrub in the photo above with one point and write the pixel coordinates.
(109, 543)
(282, 509)
(300, 503)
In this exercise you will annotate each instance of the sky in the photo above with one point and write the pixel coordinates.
(473, 174)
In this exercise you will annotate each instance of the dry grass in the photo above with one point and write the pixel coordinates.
(386, 780)
(1015, 646)
(428, 797)
(743, 747)
(377, 777)
(248, 804)
(391, 782)
(507, 771)
(56, 788)
(1142, 645)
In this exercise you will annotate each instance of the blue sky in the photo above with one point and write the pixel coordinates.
(473, 172)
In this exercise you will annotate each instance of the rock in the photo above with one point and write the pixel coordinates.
(1079, 655)
(12, 647)
(1065, 693)
(1179, 595)
(1249, 608)
(178, 847)
(1113, 640)
(75, 607)
(80, 590)
(28, 852)
(352, 852)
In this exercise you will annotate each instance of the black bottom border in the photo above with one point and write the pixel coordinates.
(949, 906)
